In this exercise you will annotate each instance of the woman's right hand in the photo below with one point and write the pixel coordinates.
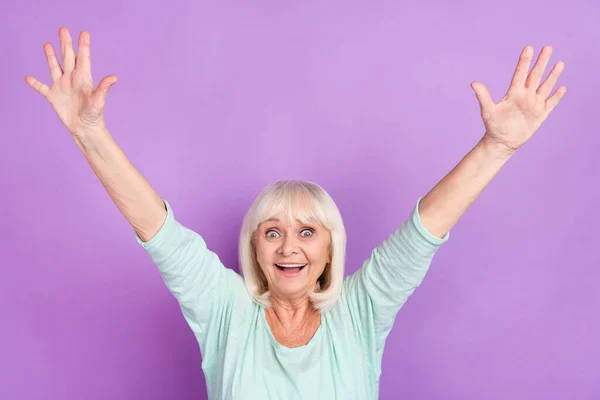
(79, 106)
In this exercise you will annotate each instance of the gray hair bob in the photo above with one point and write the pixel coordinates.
(308, 203)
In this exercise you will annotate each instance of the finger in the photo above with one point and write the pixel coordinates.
(66, 45)
(55, 69)
(520, 75)
(37, 85)
(83, 62)
(102, 90)
(553, 101)
(534, 78)
(546, 87)
(483, 96)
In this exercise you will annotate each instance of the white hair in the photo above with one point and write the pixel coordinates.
(308, 203)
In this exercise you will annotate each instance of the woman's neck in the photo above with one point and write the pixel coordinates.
(291, 312)
(293, 323)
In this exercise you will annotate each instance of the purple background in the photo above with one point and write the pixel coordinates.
(216, 100)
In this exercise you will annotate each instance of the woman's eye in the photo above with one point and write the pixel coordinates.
(306, 230)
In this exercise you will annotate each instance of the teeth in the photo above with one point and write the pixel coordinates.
(290, 265)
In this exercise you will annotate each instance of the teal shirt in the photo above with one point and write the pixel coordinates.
(241, 358)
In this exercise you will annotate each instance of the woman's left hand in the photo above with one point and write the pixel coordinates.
(514, 120)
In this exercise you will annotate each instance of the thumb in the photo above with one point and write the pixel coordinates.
(102, 90)
(483, 96)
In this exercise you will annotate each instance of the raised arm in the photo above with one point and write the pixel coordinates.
(133, 195)
(397, 266)
(205, 289)
(81, 109)
(509, 124)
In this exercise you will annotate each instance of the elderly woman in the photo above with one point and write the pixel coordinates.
(293, 327)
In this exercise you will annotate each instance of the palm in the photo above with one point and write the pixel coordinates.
(72, 93)
(514, 120)
(72, 101)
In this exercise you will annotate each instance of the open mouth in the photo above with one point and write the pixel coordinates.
(290, 268)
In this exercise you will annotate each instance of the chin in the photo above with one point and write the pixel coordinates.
(289, 290)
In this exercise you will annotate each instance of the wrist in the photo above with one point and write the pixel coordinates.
(91, 139)
(495, 149)
(90, 129)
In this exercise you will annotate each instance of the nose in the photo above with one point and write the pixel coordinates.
(289, 245)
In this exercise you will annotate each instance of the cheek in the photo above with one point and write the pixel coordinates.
(320, 256)
(260, 256)
(263, 261)
(264, 257)
(324, 252)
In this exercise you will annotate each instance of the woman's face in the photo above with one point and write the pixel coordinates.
(280, 245)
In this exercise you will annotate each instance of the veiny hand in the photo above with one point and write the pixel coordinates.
(514, 120)
(72, 94)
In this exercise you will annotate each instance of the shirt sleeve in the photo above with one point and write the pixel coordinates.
(206, 290)
(376, 292)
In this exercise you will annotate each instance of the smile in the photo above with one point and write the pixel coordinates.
(290, 269)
